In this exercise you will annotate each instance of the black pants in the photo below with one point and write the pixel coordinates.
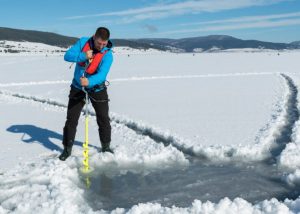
(99, 101)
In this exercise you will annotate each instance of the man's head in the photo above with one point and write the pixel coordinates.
(101, 38)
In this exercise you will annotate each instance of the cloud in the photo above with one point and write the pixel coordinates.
(257, 24)
(246, 19)
(150, 28)
(164, 10)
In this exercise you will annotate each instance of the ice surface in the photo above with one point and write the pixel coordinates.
(210, 133)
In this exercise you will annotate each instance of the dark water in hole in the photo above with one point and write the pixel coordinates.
(252, 182)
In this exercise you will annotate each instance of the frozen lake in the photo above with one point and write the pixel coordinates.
(184, 128)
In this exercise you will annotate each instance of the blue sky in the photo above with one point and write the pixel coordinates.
(266, 20)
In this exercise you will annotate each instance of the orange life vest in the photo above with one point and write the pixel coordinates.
(94, 62)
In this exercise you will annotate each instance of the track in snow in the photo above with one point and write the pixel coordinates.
(291, 117)
(136, 79)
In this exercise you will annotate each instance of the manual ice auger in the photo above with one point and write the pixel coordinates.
(86, 141)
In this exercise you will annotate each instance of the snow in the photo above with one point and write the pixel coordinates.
(25, 48)
(224, 206)
(289, 158)
(28, 48)
(129, 51)
(253, 50)
(294, 178)
(167, 110)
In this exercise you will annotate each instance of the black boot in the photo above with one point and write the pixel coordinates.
(106, 148)
(66, 153)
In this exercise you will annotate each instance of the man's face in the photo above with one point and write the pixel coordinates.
(99, 43)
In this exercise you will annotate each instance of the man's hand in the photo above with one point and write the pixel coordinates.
(84, 81)
(89, 54)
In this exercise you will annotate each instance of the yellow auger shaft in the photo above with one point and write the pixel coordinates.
(86, 152)
(86, 146)
(86, 143)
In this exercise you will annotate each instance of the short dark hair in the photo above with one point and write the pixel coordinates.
(103, 33)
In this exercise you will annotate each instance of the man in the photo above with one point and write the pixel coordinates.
(93, 58)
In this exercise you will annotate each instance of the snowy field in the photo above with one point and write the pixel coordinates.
(203, 133)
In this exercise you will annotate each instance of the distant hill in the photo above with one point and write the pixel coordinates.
(60, 40)
(193, 44)
(296, 44)
(136, 44)
(36, 36)
(221, 42)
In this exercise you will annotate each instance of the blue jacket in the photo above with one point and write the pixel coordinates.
(74, 54)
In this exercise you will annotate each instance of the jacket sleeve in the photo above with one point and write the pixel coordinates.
(102, 71)
(74, 54)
